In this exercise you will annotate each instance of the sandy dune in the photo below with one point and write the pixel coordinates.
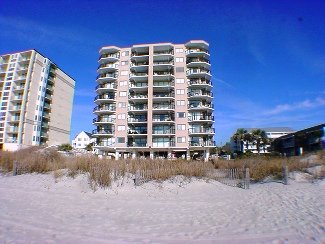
(36, 209)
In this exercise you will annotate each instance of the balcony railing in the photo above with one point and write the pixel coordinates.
(197, 60)
(104, 108)
(137, 132)
(163, 106)
(135, 144)
(200, 105)
(163, 62)
(105, 96)
(138, 64)
(162, 132)
(138, 108)
(138, 85)
(131, 119)
(108, 75)
(200, 118)
(197, 71)
(107, 86)
(108, 65)
(112, 55)
(162, 119)
(15, 119)
(162, 73)
(13, 130)
(196, 50)
(139, 54)
(201, 130)
(19, 88)
(163, 52)
(102, 131)
(199, 93)
(201, 144)
(138, 74)
(137, 96)
(163, 83)
(163, 95)
(108, 120)
(199, 82)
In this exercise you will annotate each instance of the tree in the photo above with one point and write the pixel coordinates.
(259, 138)
(65, 147)
(89, 147)
(248, 138)
(238, 137)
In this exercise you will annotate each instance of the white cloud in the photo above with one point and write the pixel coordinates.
(306, 104)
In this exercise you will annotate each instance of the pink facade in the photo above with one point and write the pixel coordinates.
(154, 100)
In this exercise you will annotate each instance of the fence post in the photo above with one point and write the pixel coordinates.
(285, 175)
(247, 178)
(14, 168)
(137, 178)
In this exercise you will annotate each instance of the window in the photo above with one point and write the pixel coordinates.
(179, 69)
(123, 94)
(181, 115)
(179, 60)
(180, 81)
(123, 83)
(126, 53)
(179, 50)
(121, 127)
(180, 91)
(122, 105)
(79, 139)
(124, 72)
(181, 127)
(181, 139)
(85, 139)
(120, 140)
(180, 102)
(121, 116)
(124, 62)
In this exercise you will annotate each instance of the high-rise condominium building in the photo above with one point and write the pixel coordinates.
(154, 100)
(36, 101)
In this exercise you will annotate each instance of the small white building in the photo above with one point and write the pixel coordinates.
(82, 140)
(271, 133)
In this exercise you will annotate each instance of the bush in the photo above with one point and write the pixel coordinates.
(65, 147)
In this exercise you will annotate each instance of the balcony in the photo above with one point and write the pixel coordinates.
(139, 54)
(103, 132)
(15, 108)
(104, 98)
(137, 144)
(163, 85)
(21, 77)
(47, 106)
(44, 134)
(138, 108)
(198, 73)
(202, 144)
(137, 132)
(108, 57)
(138, 97)
(199, 83)
(103, 120)
(19, 88)
(101, 78)
(199, 94)
(200, 106)
(201, 118)
(109, 67)
(201, 130)
(137, 119)
(197, 52)
(160, 118)
(11, 140)
(170, 131)
(48, 97)
(12, 130)
(15, 119)
(46, 116)
(163, 106)
(49, 88)
(16, 98)
(138, 86)
(104, 109)
(50, 81)
(163, 96)
(163, 73)
(101, 88)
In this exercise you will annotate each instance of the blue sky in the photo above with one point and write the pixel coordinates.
(268, 57)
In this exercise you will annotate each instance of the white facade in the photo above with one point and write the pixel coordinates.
(82, 140)
(36, 101)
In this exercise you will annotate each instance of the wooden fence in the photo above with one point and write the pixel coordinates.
(231, 177)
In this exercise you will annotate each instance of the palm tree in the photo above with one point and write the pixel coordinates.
(260, 138)
(238, 137)
(248, 138)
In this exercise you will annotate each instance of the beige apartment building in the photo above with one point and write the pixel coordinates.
(36, 101)
(154, 100)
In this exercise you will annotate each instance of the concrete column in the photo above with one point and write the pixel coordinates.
(188, 155)
(151, 154)
(134, 155)
(117, 155)
(207, 155)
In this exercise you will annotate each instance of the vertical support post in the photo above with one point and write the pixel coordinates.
(137, 178)
(134, 154)
(188, 155)
(247, 178)
(285, 175)
(14, 168)
(117, 155)
(207, 155)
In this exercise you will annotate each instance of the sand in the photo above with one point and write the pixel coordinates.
(36, 208)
